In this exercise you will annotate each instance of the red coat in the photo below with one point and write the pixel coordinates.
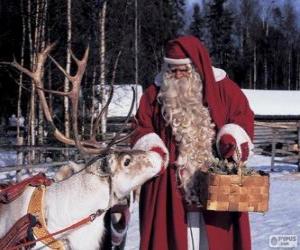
(162, 217)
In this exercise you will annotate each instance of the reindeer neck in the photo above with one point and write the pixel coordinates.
(76, 198)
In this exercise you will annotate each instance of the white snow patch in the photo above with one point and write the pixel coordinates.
(273, 102)
(7, 158)
(122, 99)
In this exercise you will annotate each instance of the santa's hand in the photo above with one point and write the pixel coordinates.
(233, 142)
(158, 159)
(227, 147)
(157, 153)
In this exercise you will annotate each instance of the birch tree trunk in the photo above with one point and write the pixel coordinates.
(83, 109)
(36, 48)
(289, 69)
(68, 67)
(254, 66)
(31, 120)
(49, 71)
(102, 17)
(136, 52)
(20, 137)
(41, 45)
(92, 111)
(265, 62)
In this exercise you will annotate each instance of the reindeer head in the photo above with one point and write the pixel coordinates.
(131, 169)
(127, 168)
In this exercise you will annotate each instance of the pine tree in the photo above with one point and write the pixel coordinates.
(220, 21)
(197, 26)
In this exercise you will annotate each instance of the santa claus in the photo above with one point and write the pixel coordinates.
(190, 114)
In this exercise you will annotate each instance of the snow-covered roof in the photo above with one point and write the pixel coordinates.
(122, 99)
(274, 102)
(263, 102)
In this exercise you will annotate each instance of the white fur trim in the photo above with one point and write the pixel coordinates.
(240, 136)
(219, 74)
(149, 141)
(177, 61)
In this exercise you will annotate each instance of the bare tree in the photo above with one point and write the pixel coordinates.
(31, 117)
(41, 45)
(136, 48)
(20, 137)
(102, 18)
(68, 67)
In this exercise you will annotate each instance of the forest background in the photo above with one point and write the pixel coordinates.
(255, 42)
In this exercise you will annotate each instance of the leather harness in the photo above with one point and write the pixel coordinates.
(35, 208)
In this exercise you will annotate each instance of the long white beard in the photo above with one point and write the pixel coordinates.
(192, 127)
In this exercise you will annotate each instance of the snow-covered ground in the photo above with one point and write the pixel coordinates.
(283, 217)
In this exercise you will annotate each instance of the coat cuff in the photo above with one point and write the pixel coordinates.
(158, 150)
(118, 235)
(240, 136)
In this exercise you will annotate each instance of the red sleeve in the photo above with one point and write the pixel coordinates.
(238, 110)
(143, 119)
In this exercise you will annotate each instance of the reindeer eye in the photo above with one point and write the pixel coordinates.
(126, 162)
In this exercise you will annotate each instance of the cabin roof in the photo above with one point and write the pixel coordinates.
(274, 104)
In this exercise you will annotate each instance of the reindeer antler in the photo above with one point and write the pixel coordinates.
(90, 146)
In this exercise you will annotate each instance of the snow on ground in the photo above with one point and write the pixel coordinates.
(283, 217)
(7, 158)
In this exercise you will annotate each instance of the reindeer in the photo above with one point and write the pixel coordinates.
(94, 187)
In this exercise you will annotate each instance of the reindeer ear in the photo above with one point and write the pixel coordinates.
(65, 171)
(75, 166)
(100, 167)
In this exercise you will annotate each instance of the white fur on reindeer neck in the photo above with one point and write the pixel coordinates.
(192, 127)
(78, 197)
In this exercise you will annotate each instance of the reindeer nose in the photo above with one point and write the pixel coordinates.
(105, 166)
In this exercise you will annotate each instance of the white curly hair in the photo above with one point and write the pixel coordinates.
(183, 110)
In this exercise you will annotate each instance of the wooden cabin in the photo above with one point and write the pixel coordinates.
(277, 124)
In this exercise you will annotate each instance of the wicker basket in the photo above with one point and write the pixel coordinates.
(237, 193)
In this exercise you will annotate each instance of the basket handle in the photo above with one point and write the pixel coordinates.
(240, 165)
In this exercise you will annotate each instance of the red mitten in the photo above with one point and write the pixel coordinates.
(234, 143)
(227, 145)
